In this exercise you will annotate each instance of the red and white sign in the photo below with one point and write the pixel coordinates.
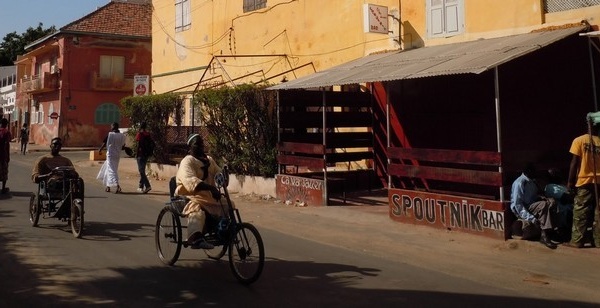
(141, 85)
(54, 116)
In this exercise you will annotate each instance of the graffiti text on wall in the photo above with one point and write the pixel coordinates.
(300, 189)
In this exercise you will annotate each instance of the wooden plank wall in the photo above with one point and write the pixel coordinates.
(348, 137)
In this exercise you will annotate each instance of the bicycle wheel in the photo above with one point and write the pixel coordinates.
(34, 210)
(77, 217)
(216, 253)
(168, 236)
(246, 254)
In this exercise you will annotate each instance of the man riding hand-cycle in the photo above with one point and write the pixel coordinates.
(42, 169)
(196, 180)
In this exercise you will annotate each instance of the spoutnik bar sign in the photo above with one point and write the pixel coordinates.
(479, 216)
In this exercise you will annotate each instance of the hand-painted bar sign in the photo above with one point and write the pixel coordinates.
(470, 215)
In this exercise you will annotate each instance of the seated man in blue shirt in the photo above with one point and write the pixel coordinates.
(527, 204)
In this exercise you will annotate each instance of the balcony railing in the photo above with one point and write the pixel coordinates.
(98, 83)
(44, 82)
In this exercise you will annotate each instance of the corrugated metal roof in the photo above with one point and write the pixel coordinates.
(472, 57)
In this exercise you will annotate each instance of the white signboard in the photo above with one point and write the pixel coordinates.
(375, 18)
(141, 85)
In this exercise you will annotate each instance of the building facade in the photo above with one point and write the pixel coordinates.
(479, 89)
(8, 96)
(199, 44)
(72, 81)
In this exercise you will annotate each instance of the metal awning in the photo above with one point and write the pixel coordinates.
(472, 57)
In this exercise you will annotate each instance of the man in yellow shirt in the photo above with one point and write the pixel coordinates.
(584, 174)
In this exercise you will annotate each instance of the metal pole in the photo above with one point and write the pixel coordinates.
(593, 153)
(593, 75)
(279, 127)
(325, 193)
(387, 130)
(498, 126)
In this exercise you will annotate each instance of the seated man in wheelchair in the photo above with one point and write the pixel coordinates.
(195, 179)
(42, 170)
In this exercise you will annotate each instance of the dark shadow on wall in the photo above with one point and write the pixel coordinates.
(410, 37)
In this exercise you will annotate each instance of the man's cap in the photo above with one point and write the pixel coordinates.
(56, 140)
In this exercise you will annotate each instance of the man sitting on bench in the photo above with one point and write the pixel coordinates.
(528, 205)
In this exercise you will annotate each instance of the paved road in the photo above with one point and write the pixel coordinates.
(320, 256)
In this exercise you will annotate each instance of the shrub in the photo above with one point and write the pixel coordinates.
(242, 127)
(156, 111)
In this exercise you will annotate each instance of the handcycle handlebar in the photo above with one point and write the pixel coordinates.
(65, 172)
(222, 178)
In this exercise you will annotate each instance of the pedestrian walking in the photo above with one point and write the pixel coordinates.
(24, 136)
(5, 138)
(145, 149)
(114, 143)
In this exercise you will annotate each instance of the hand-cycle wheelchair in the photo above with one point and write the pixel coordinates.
(227, 234)
(59, 196)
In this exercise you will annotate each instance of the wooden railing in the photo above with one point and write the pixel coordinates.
(479, 168)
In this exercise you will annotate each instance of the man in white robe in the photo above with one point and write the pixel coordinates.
(196, 180)
(114, 143)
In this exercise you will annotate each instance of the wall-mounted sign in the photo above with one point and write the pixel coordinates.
(141, 85)
(54, 115)
(375, 18)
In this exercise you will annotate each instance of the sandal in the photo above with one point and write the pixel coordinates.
(107, 189)
(118, 189)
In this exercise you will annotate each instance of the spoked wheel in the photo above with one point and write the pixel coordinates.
(246, 254)
(216, 253)
(76, 220)
(168, 236)
(34, 210)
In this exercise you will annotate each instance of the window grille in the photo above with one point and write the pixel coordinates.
(253, 5)
(551, 6)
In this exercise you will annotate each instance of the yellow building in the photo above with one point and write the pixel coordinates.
(234, 42)
(436, 22)
(199, 44)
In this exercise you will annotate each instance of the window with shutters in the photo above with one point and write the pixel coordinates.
(445, 17)
(107, 113)
(253, 5)
(183, 18)
(50, 111)
(112, 67)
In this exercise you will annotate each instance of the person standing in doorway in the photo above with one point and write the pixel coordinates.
(114, 143)
(5, 138)
(24, 135)
(145, 149)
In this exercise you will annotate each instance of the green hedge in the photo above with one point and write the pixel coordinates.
(155, 110)
(241, 123)
(242, 127)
